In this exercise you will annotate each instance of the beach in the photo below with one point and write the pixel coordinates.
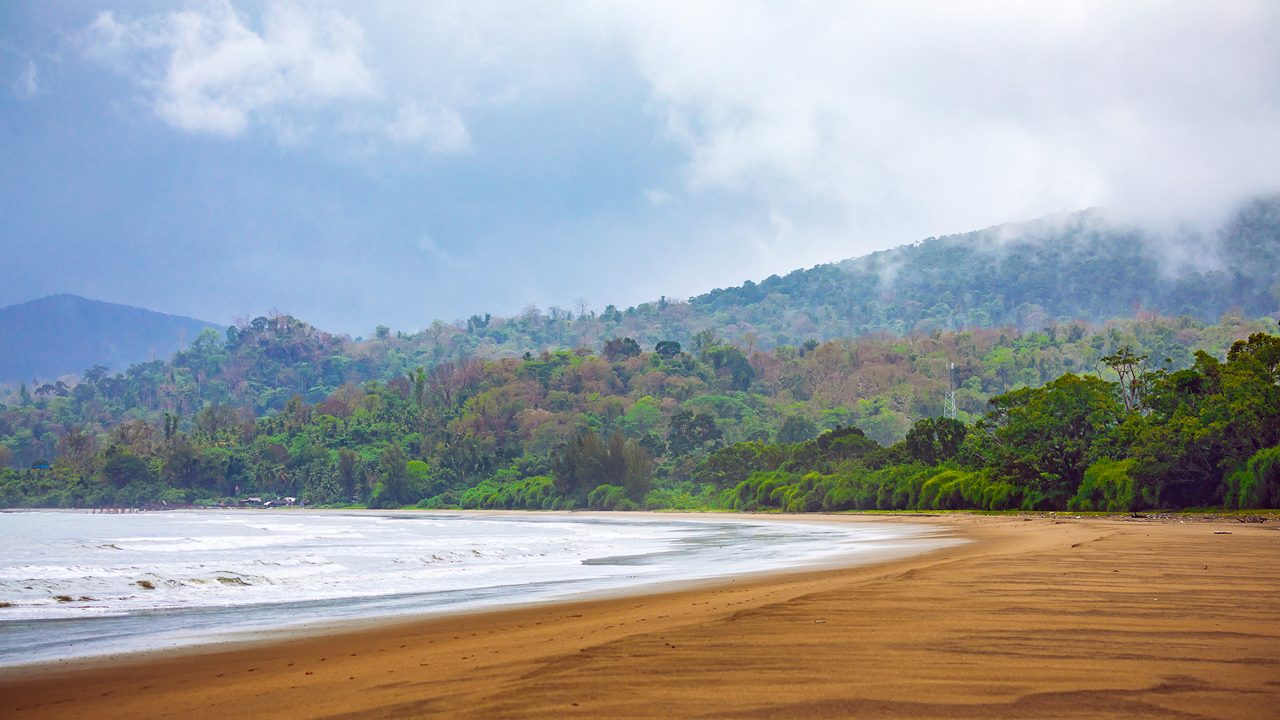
(1044, 616)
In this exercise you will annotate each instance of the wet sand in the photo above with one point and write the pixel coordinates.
(1036, 617)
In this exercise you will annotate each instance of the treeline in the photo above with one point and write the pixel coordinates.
(1049, 419)
(1204, 436)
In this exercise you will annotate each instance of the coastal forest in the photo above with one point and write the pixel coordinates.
(1063, 363)
(1152, 412)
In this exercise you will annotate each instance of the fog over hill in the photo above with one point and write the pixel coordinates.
(1081, 265)
(1072, 266)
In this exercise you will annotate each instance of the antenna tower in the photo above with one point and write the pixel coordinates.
(949, 400)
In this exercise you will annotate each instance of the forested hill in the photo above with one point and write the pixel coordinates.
(1076, 266)
(65, 334)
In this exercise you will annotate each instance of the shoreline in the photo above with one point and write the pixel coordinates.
(920, 539)
(1046, 616)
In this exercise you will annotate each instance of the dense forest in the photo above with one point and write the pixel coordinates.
(1150, 412)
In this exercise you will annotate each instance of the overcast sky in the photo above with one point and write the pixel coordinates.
(357, 163)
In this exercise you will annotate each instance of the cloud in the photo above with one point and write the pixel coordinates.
(205, 70)
(912, 118)
(439, 129)
(657, 197)
(429, 246)
(745, 137)
(28, 82)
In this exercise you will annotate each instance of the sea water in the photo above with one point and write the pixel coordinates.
(76, 585)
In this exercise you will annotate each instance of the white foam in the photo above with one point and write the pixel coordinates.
(116, 572)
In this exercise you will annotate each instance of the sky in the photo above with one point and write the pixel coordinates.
(377, 162)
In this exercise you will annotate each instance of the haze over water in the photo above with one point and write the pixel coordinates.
(78, 585)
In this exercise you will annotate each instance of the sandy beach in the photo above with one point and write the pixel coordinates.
(1035, 617)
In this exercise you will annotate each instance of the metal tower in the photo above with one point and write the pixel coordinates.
(949, 400)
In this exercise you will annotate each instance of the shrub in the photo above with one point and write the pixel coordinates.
(1107, 486)
(1257, 484)
(610, 497)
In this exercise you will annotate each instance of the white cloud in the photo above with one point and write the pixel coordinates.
(205, 70)
(896, 120)
(658, 197)
(428, 246)
(28, 82)
(863, 124)
(439, 129)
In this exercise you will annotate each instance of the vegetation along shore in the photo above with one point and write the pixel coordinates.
(1149, 413)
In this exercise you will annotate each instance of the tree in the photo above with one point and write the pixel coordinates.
(1042, 438)
(121, 467)
(796, 428)
(733, 464)
(620, 349)
(1130, 368)
(667, 349)
(689, 432)
(729, 361)
(214, 419)
(933, 440)
(181, 468)
(704, 340)
(578, 466)
(1205, 423)
(75, 449)
(392, 472)
(347, 468)
(586, 463)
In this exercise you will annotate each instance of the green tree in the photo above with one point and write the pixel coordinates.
(667, 349)
(689, 432)
(933, 440)
(1042, 438)
(796, 428)
(347, 472)
(579, 466)
(390, 486)
(121, 467)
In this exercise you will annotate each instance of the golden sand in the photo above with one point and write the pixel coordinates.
(1036, 617)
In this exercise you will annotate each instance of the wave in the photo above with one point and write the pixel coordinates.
(139, 575)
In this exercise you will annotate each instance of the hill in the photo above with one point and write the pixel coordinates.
(66, 334)
(1075, 266)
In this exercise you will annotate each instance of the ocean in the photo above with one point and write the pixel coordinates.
(79, 585)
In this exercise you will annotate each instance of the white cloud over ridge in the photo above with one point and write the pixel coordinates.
(969, 113)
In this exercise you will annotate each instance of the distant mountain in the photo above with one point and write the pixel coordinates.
(63, 334)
